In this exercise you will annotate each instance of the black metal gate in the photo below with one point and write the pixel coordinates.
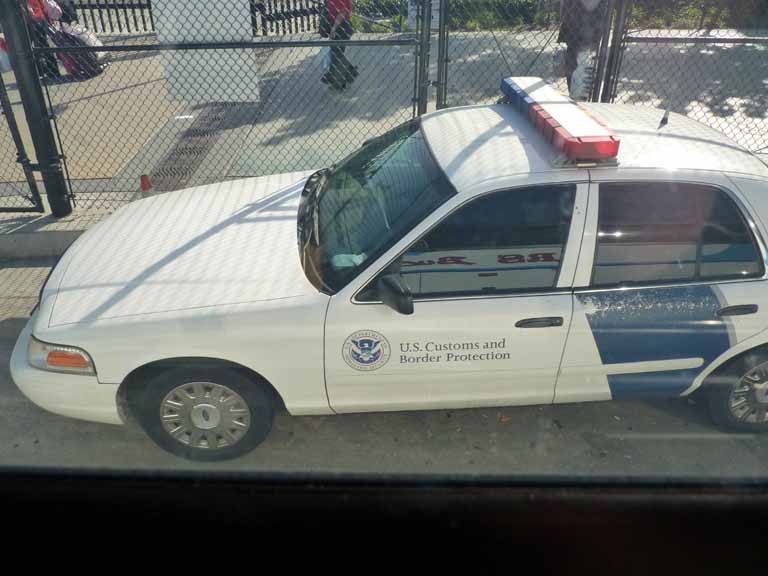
(18, 188)
(112, 16)
(268, 17)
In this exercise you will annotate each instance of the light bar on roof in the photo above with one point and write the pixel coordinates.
(561, 121)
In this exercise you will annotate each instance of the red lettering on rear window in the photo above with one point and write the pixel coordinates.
(542, 257)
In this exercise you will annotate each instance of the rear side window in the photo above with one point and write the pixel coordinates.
(652, 233)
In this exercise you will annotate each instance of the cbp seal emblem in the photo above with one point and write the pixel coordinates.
(366, 350)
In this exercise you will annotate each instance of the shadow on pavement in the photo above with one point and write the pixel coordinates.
(686, 410)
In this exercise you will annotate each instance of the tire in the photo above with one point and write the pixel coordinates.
(738, 397)
(215, 413)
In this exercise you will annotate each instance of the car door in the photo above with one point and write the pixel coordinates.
(492, 305)
(670, 278)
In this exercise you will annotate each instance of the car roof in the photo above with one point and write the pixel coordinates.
(476, 143)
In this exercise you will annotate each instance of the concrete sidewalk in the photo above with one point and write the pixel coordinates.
(36, 235)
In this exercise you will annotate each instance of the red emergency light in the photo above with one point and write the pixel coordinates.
(561, 121)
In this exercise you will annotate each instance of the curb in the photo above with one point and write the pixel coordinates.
(41, 244)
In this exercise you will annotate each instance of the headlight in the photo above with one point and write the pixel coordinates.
(57, 358)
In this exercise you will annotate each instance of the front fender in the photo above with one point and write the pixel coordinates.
(281, 340)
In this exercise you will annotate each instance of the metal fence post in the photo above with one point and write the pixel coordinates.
(442, 56)
(424, 40)
(21, 153)
(605, 40)
(613, 66)
(38, 119)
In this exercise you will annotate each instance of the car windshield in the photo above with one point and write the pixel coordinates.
(366, 204)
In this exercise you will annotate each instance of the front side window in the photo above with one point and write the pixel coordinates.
(504, 242)
(670, 232)
(370, 201)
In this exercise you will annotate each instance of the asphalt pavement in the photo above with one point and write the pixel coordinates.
(667, 440)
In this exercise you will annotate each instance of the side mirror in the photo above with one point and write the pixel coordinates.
(395, 294)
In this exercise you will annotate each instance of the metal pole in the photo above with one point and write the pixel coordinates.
(426, 30)
(442, 57)
(21, 153)
(614, 59)
(605, 40)
(416, 60)
(38, 118)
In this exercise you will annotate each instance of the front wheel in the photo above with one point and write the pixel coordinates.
(204, 412)
(741, 403)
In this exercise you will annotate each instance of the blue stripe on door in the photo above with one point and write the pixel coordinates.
(636, 325)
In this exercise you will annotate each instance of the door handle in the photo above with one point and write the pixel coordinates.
(741, 310)
(540, 322)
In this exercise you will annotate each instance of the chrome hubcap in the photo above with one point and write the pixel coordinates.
(749, 399)
(205, 415)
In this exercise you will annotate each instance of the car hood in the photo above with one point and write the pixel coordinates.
(227, 243)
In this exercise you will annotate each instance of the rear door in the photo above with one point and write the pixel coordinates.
(670, 278)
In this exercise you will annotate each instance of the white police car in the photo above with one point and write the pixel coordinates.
(529, 252)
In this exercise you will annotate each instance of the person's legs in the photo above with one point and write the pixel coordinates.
(342, 72)
(345, 65)
(571, 61)
(582, 78)
(335, 76)
(49, 66)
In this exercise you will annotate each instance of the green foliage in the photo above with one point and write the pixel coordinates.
(699, 14)
(473, 15)
(380, 8)
(501, 14)
(399, 23)
(471, 25)
(368, 26)
(386, 14)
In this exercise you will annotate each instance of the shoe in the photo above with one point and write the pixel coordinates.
(325, 79)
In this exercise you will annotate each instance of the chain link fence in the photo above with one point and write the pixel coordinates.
(487, 40)
(203, 100)
(224, 90)
(705, 59)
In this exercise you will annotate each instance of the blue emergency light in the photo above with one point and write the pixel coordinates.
(561, 121)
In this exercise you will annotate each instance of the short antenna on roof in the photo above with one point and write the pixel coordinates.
(664, 120)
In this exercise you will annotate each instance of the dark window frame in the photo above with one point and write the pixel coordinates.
(472, 295)
(744, 217)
